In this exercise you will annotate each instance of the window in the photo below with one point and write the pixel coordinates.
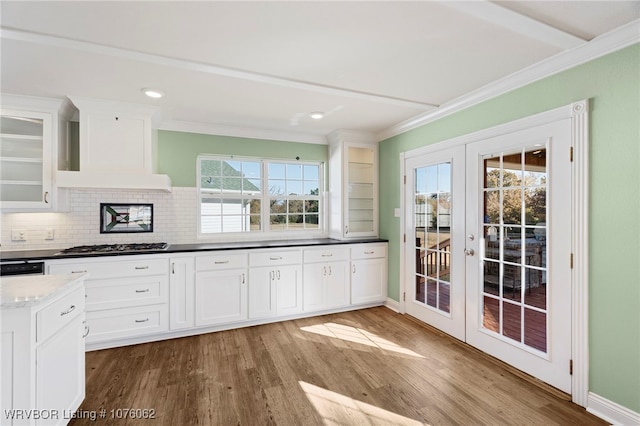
(254, 195)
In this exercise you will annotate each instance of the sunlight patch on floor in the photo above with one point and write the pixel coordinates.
(357, 335)
(338, 409)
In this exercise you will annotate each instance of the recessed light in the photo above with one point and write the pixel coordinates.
(316, 115)
(153, 93)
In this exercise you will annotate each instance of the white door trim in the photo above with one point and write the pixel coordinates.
(579, 114)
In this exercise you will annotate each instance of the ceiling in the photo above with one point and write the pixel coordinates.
(261, 67)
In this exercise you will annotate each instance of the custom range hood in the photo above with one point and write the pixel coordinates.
(117, 148)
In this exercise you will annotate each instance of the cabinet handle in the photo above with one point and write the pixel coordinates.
(86, 329)
(221, 262)
(354, 269)
(324, 271)
(275, 258)
(146, 290)
(329, 270)
(272, 275)
(346, 229)
(243, 278)
(78, 272)
(327, 255)
(68, 311)
(278, 274)
(144, 320)
(142, 267)
(369, 252)
(46, 197)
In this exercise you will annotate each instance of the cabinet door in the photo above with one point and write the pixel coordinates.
(368, 281)
(288, 290)
(337, 283)
(60, 370)
(221, 296)
(313, 284)
(361, 192)
(262, 292)
(181, 293)
(25, 157)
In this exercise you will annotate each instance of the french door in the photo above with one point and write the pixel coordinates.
(489, 243)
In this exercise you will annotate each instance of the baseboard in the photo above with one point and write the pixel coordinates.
(611, 412)
(393, 305)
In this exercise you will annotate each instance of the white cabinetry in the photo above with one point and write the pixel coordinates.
(181, 292)
(368, 273)
(43, 364)
(353, 185)
(126, 296)
(275, 283)
(326, 279)
(29, 139)
(221, 288)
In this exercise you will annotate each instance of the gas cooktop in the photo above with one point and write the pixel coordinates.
(116, 248)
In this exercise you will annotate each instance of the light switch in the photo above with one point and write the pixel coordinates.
(396, 212)
(49, 234)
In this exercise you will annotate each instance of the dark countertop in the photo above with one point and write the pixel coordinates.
(32, 255)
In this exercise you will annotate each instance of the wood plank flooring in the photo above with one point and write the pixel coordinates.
(371, 366)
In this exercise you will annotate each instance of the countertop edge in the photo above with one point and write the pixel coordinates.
(52, 254)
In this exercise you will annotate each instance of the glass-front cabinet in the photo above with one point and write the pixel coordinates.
(353, 185)
(25, 159)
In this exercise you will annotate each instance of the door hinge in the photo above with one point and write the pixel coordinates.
(571, 261)
(571, 367)
(405, 238)
(404, 296)
(571, 154)
(405, 179)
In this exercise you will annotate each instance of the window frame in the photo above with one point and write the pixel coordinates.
(266, 231)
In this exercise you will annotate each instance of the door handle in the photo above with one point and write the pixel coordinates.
(469, 252)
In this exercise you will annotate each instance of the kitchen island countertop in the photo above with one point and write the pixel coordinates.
(24, 291)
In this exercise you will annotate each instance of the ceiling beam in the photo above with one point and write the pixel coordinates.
(116, 52)
(516, 22)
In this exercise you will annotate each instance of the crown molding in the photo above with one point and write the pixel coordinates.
(241, 132)
(604, 44)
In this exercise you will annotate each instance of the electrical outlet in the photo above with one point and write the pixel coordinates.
(18, 235)
(49, 235)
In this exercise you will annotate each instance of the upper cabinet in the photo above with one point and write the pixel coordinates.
(116, 147)
(353, 185)
(32, 138)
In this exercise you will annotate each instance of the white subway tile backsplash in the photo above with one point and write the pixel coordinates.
(175, 216)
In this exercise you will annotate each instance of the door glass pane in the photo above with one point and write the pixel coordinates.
(432, 212)
(515, 246)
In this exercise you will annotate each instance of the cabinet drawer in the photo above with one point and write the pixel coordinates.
(124, 292)
(114, 269)
(366, 251)
(61, 312)
(328, 254)
(221, 261)
(127, 322)
(270, 258)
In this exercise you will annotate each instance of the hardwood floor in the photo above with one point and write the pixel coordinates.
(371, 366)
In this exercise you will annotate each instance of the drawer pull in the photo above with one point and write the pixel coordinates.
(144, 320)
(142, 267)
(221, 262)
(369, 252)
(68, 311)
(86, 329)
(78, 272)
(275, 258)
(146, 290)
(327, 255)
